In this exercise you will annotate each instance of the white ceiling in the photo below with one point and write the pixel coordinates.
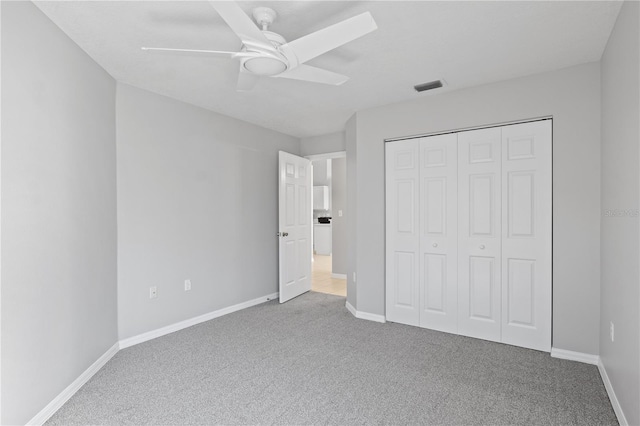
(464, 43)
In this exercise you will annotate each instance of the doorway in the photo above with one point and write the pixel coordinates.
(329, 223)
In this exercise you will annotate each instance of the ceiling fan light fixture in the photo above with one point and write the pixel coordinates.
(266, 66)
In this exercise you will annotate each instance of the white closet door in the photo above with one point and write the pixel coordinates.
(402, 232)
(479, 233)
(526, 235)
(438, 233)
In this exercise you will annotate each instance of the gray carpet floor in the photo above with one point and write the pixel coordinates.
(309, 361)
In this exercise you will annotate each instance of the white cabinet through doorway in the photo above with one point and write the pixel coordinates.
(468, 233)
(322, 238)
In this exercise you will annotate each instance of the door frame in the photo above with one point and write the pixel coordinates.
(312, 158)
(466, 129)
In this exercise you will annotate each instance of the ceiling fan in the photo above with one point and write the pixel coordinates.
(265, 53)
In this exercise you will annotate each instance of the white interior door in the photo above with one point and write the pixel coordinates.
(479, 233)
(402, 232)
(438, 233)
(294, 218)
(526, 235)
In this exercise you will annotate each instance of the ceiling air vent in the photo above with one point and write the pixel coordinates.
(428, 86)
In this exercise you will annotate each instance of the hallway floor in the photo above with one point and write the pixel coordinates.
(321, 280)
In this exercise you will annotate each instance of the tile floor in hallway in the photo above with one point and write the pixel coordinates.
(321, 280)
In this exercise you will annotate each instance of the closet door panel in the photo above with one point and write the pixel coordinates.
(402, 232)
(526, 241)
(438, 233)
(468, 233)
(479, 233)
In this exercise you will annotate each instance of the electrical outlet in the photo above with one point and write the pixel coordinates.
(354, 277)
(612, 331)
(187, 285)
(153, 292)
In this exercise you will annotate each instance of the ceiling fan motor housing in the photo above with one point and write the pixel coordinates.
(267, 65)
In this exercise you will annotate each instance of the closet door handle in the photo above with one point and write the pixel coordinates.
(481, 246)
(435, 244)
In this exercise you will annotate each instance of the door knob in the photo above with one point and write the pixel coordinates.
(435, 244)
(481, 246)
(282, 234)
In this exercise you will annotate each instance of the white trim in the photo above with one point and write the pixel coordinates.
(339, 276)
(612, 395)
(370, 317)
(595, 360)
(51, 408)
(326, 156)
(575, 356)
(0, 221)
(365, 315)
(351, 309)
(466, 129)
(125, 343)
(70, 390)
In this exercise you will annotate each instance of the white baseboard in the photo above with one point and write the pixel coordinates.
(339, 276)
(351, 309)
(595, 360)
(365, 315)
(575, 356)
(48, 411)
(371, 317)
(612, 395)
(125, 343)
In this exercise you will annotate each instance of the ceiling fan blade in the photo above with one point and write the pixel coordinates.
(194, 52)
(246, 80)
(313, 74)
(240, 23)
(321, 41)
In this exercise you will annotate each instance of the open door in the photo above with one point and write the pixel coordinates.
(294, 219)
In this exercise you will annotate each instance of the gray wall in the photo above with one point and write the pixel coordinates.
(572, 97)
(620, 251)
(339, 224)
(321, 172)
(197, 199)
(58, 212)
(322, 144)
